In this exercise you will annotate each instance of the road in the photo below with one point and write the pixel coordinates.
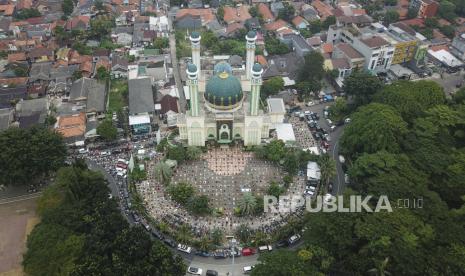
(338, 182)
(176, 74)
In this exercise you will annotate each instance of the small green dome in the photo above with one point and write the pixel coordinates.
(251, 34)
(191, 68)
(257, 67)
(223, 90)
(221, 68)
(195, 34)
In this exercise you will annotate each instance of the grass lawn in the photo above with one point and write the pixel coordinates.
(118, 95)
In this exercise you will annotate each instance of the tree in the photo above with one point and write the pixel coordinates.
(272, 264)
(199, 205)
(163, 172)
(275, 150)
(101, 27)
(374, 127)
(99, 6)
(390, 2)
(275, 47)
(220, 13)
(447, 10)
(272, 86)
(27, 155)
(247, 204)
(217, 236)
(161, 43)
(327, 169)
(84, 233)
(102, 73)
(181, 192)
(107, 130)
(287, 13)
(76, 75)
(20, 71)
(338, 110)
(184, 234)
(243, 233)
(205, 244)
(274, 189)
(315, 26)
(253, 11)
(330, 20)
(291, 163)
(27, 13)
(311, 73)
(411, 99)
(412, 13)
(362, 86)
(193, 153)
(448, 31)
(177, 153)
(390, 16)
(68, 7)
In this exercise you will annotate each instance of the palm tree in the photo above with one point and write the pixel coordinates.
(184, 234)
(380, 269)
(327, 169)
(217, 236)
(205, 243)
(247, 204)
(243, 233)
(163, 172)
(193, 152)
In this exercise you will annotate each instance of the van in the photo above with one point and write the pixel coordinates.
(265, 248)
(247, 269)
(82, 151)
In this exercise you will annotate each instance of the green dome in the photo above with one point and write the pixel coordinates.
(195, 34)
(223, 90)
(251, 34)
(257, 67)
(191, 68)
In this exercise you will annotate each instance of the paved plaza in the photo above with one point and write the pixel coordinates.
(223, 175)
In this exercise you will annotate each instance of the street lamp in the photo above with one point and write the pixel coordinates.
(232, 243)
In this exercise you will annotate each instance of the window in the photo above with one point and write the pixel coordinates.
(375, 55)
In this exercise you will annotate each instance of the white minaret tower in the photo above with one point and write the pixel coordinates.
(193, 84)
(195, 45)
(250, 45)
(256, 83)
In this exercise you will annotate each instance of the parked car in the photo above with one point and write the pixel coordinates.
(293, 239)
(194, 270)
(282, 244)
(310, 103)
(202, 253)
(211, 273)
(265, 248)
(248, 251)
(184, 248)
(347, 120)
(170, 242)
(248, 269)
(342, 159)
(219, 254)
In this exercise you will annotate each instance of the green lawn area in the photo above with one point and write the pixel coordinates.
(118, 95)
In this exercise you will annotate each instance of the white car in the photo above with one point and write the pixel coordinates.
(184, 248)
(310, 103)
(347, 120)
(265, 248)
(194, 270)
(247, 269)
(310, 188)
(342, 159)
(294, 239)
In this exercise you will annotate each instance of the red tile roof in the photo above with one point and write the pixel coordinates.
(265, 11)
(278, 24)
(374, 42)
(239, 14)
(72, 125)
(7, 9)
(322, 9)
(205, 14)
(16, 57)
(327, 48)
(297, 20)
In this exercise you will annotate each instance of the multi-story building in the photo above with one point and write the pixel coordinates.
(426, 8)
(404, 44)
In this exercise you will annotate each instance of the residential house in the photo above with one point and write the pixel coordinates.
(159, 24)
(32, 112)
(168, 103)
(17, 57)
(41, 55)
(236, 14)
(141, 97)
(89, 93)
(276, 25)
(286, 65)
(72, 127)
(265, 12)
(215, 26)
(10, 95)
(206, 15)
(6, 118)
(309, 13)
(191, 22)
(344, 50)
(299, 22)
(276, 7)
(7, 10)
(323, 9)
(155, 71)
(119, 67)
(458, 46)
(61, 79)
(80, 22)
(297, 43)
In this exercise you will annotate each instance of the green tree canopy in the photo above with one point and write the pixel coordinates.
(374, 127)
(272, 86)
(391, 16)
(107, 130)
(177, 153)
(27, 155)
(181, 192)
(411, 98)
(362, 86)
(275, 47)
(447, 10)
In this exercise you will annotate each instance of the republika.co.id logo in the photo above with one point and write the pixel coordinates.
(329, 204)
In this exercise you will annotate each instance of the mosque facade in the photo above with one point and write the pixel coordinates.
(225, 107)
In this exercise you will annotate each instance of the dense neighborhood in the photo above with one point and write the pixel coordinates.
(194, 137)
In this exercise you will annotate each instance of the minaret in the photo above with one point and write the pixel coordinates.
(256, 83)
(192, 82)
(195, 45)
(250, 46)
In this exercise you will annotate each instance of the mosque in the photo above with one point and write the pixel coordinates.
(225, 105)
